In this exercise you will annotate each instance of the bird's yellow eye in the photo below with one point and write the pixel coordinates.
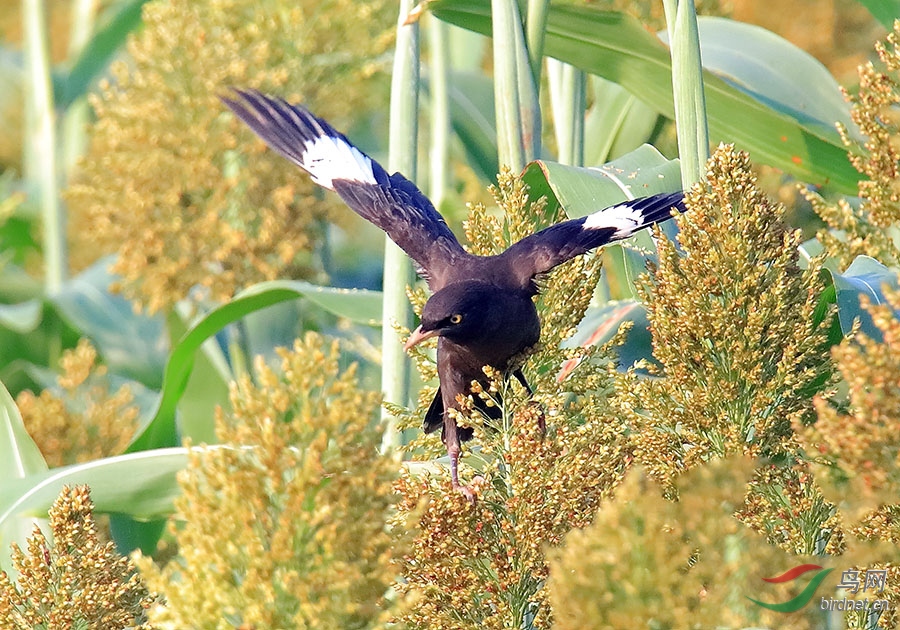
(455, 319)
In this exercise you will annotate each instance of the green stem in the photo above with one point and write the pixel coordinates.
(515, 91)
(535, 29)
(568, 101)
(687, 85)
(76, 116)
(40, 159)
(398, 273)
(440, 109)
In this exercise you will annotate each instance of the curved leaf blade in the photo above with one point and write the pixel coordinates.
(99, 51)
(618, 122)
(356, 305)
(23, 317)
(19, 458)
(148, 493)
(773, 71)
(584, 190)
(472, 116)
(19, 455)
(865, 276)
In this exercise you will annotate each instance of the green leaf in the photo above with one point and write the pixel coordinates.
(581, 190)
(19, 455)
(617, 122)
(624, 262)
(19, 458)
(130, 534)
(472, 117)
(774, 71)
(206, 387)
(885, 11)
(827, 299)
(16, 285)
(616, 47)
(22, 318)
(356, 305)
(865, 276)
(132, 344)
(142, 485)
(99, 52)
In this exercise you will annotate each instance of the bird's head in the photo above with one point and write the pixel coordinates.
(460, 312)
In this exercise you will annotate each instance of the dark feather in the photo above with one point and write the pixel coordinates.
(539, 253)
(434, 420)
(434, 417)
(391, 202)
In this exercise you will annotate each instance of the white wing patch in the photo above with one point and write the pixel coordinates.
(328, 158)
(623, 217)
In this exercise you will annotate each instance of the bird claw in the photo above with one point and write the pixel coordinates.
(469, 492)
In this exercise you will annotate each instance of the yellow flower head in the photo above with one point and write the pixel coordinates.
(284, 525)
(731, 314)
(870, 227)
(73, 581)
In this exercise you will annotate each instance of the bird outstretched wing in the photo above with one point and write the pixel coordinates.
(391, 202)
(544, 250)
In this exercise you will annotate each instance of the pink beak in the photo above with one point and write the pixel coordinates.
(418, 336)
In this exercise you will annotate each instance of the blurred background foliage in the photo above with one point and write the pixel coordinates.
(716, 410)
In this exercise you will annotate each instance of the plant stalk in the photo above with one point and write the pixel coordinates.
(75, 119)
(398, 272)
(535, 30)
(40, 159)
(568, 101)
(439, 36)
(515, 91)
(687, 86)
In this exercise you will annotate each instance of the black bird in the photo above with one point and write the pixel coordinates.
(481, 309)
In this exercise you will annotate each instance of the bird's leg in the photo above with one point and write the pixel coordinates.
(454, 478)
(451, 438)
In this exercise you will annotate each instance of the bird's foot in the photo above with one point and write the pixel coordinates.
(470, 491)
